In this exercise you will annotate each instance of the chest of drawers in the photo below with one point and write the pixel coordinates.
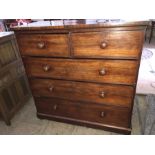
(82, 73)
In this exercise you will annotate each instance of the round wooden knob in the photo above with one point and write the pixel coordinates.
(41, 45)
(102, 71)
(102, 114)
(46, 68)
(103, 45)
(102, 94)
(50, 88)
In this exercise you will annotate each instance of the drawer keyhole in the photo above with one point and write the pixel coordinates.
(55, 107)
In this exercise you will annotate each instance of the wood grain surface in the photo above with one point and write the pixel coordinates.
(90, 112)
(116, 71)
(43, 45)
(125, 44)
(78, 91)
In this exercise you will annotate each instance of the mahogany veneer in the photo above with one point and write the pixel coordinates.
(100, 71)
(83, 73)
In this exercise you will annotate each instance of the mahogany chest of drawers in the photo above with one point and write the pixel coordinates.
(83, 73)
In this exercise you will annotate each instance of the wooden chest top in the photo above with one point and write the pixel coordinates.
(79, 24)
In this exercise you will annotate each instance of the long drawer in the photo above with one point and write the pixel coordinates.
(79, 91)
(102, 71)
(110, 115)
(116, 44)
(44, 44)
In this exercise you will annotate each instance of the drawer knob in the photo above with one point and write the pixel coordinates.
(102, 114)
(41, 45)
(50, 88)
(46, 68)
(103, 45)
(102, 71)
(102, 94)
(55, 107)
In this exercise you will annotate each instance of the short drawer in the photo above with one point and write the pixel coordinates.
(110, 115)
(102, 71)
(115, 44)
(43, 44)
(81, 91)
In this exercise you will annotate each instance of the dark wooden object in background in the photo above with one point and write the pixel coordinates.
(83, 73)
(14, 89)
(152, 28)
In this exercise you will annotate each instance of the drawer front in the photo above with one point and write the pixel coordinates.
(43, 45)
(102, 71)
(123, 44)
(80, 91)
(110, 115)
